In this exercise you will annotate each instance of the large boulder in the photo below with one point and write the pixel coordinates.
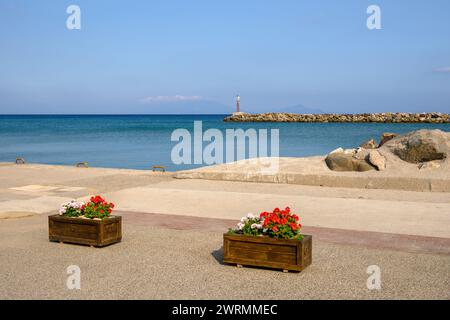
(340, 161)
(420, 146)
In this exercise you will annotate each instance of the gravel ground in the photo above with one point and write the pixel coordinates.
(157, 263)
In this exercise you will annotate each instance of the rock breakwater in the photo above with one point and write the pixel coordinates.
(387, 117)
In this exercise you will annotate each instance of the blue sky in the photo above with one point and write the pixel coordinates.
(194, 56)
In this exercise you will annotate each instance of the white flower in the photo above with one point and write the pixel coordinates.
(240, 226)
(244, 219)
(250, 216)
(72, 204)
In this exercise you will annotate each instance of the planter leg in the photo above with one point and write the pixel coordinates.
(239, 265)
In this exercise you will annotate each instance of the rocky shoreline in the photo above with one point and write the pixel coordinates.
(387, 117)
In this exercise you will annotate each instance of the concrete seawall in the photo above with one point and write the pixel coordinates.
(394, 183)
(312, 171)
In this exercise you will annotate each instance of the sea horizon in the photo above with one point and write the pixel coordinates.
(139, 141)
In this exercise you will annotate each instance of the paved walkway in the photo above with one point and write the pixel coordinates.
(36, 189)
(357, 209)
(365, 239)
(173, 238)
(162, 263)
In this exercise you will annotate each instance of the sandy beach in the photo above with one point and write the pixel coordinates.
(171, 222)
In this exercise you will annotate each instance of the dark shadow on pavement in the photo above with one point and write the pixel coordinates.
(218, 255)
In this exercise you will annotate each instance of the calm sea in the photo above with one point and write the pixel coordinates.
(140, 141)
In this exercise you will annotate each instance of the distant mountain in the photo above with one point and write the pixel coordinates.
(204, 106)
(300, 109)
(182, 107)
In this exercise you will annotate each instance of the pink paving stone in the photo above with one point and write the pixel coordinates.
(369, 239)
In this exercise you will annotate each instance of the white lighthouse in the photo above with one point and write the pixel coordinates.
(238, 104)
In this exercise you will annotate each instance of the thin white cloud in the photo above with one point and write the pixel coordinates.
(443, 69)
(175, 98)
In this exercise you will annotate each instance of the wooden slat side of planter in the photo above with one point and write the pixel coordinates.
(111, 231)
(267, 252)
(85, 231)
(304, 252)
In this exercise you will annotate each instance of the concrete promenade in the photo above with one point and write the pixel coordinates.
(173, 236)
(36, 189)
(164, 263)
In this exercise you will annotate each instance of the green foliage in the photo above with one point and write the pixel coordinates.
(252, 227)
(92, 211)
(72, 212)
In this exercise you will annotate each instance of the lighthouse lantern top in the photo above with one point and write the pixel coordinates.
(238, 98)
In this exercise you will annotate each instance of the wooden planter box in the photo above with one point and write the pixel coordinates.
(97, 233)
(267, 252)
